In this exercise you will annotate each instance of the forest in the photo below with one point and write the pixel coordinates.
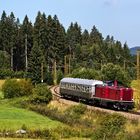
(30, 48)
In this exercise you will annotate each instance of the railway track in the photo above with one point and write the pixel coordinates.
(130, 115)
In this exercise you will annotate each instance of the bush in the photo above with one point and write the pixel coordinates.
(41, 94)
(110, 126)
(25, 87)
(75, 112)
(11, 88)
(6, 73)
(15, 88)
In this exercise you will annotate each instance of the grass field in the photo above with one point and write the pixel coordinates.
(14, 118)
(42, 139)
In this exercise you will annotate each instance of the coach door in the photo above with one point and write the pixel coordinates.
(93, 90)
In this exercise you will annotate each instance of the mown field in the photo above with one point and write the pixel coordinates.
(13, 118)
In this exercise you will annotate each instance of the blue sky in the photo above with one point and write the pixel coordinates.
(120, 18)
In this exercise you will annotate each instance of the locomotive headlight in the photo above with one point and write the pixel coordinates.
(132, 99)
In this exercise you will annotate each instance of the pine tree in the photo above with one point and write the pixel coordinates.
(35, 61)
(3, 32)
(40, 30)
(95, 37)
(85, 37)
(73, 37)
(25, 40)
(126, 55)
(55, 41)
(59, 40)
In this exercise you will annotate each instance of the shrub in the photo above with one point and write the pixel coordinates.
(41, 94)
(6, 73)
(25, 87)
(74, 112)
(18, 74)
(15, 88)
(110, 126)
(11, 88)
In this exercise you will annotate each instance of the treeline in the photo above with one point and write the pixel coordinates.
(26, 46)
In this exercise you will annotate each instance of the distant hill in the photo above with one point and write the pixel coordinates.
(133, 50)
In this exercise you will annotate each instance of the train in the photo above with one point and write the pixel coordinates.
(99, 93)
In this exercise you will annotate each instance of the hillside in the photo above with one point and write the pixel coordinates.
(133, 50)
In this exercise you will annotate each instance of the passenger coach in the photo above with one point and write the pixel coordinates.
(78, 88)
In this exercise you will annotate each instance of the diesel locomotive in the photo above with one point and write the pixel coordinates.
(98, 93)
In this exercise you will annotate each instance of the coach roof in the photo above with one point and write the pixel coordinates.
(81, 81)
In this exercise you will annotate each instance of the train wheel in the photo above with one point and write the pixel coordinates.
(116, 106)
(125, 108)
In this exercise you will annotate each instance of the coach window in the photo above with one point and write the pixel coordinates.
(74, 87)
(64, 85)
(84, 89)
(87, 89)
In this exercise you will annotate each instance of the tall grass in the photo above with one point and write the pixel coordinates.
(136, 87)
(1, 83)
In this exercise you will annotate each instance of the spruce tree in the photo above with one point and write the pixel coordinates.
(25, 40)
(85, 37)
(35, 61)
(73, 37)
(95, 37)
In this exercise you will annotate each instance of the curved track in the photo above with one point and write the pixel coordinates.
(130, 115)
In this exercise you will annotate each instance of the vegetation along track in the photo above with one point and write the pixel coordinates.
(130, 115)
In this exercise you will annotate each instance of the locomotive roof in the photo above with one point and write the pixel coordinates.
(82, 81)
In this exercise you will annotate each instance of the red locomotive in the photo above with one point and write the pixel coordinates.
(97, 92)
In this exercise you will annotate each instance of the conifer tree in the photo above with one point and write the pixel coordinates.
(74, 36)
(85, 37)
(25, 40)
(35, 61)
(3, 32)
(95, 37)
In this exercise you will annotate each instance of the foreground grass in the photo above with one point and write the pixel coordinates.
(14, 118)
(42, 139)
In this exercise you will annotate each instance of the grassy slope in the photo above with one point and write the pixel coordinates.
(13, 118)
(136, 87)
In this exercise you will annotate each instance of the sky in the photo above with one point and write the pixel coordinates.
(118, 18)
